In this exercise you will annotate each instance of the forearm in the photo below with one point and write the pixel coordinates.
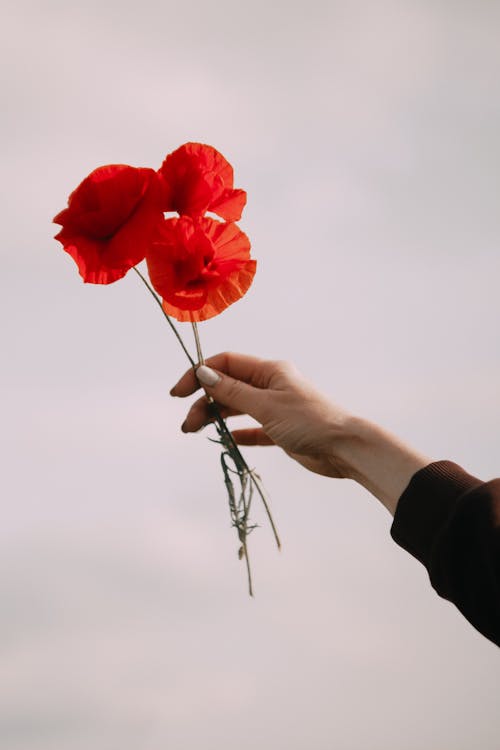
(378, 460)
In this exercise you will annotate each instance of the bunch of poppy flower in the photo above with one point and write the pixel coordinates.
(197, 265)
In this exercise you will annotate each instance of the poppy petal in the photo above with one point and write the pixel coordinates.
(197, 178)
(199, 268)
(109, 221)
(230, 205)
(218, 299)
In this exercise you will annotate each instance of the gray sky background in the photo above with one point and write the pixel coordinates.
(366, 135)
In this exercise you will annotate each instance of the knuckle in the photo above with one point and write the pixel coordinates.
(285, 368)
(222, 361)
(234, 389)
(228, 359)
(282, 364)
(218, 360)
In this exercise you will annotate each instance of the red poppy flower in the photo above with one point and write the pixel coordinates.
(199, 268)
(109, 221)
(197, 179)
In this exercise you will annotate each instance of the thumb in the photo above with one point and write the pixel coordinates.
(231, 392)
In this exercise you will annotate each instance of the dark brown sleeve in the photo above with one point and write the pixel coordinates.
(450, 521)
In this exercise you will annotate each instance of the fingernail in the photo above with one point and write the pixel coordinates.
(207, 376)
(183, 427)
(172, 391)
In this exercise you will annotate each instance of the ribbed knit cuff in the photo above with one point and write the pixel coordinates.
(425, 505)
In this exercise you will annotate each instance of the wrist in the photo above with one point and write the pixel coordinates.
(378, 460)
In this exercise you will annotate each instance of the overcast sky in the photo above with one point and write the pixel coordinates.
(367, 137)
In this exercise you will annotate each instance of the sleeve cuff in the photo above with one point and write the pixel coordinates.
(426, 504)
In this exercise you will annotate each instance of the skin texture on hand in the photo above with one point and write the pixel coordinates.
(293, 415)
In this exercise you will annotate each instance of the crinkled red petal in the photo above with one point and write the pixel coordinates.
(197, 178)
(230, 290)
(208, 288)
(230, 205)
(109, 221)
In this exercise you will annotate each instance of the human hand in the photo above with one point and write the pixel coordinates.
(291, 412)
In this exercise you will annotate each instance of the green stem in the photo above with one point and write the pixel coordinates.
(201, 359)
(158, 302)
(249, 571)
(235, 450)
(239, 458)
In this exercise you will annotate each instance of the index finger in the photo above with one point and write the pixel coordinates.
(251, 370)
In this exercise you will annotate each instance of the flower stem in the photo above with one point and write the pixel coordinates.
(158, 302)
(239, 510)
(231, 444)
(201, 358)
(251, 472)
